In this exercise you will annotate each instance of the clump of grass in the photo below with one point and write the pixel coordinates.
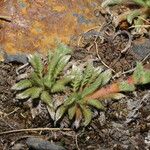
(137, 18)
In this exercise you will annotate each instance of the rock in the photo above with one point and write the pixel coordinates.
(36, 24)
(40, 144)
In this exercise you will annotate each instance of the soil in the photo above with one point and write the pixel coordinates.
(125, 125)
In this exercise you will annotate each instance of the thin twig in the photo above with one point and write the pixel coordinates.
(145, 57)
(129, 41)
(21, 67)
(35, 129)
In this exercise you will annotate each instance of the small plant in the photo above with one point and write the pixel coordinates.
(136, 17)
(84, 95)
(84, 83)
(45, 80)
(140, 76)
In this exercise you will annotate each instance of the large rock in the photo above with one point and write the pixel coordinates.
(36, 24)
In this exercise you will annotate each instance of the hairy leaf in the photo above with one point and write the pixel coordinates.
(90, 89)
(51, 111)
(106, 76)
(124, 86)
(132, 15)
(61, 64)
(46, 98)
(70, 99)
(25, 94)
(58, 88)
(87, 113)
(37, 64)
(95, 74)
(35, 93)
(72, 111)
(60, 112)
(32, 92)
(78, 76)
(36, 81)
(140, 2)
(21, 85)
(95, 103)
(87, 74)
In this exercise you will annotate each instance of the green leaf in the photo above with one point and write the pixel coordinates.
(35, 80)
(21, 85)
(132, 15)
(35, 93)
(88, 72)
(70, 100)
(72, 112)
(95, 74)
(47, 81)
(25, 94)
(37, 64)
(146, 77)
(138, 73)
(51, 111)
(58, 88)
(63, 49)
(106, 76)
(46, 98)
(78, 76)
(60, 112)
(61, 64)
(125, 86)
(140, 2)
(49, 56)
(95, 103)
(60, 51)
(87, 113)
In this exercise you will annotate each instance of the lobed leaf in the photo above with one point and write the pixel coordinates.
(37, 64)
(61, 64)
(88, 72)
(125, 86)
(72, 112)
(106, 76)
(58, 88)
(21, 85)
(35, 80)
(78, 76)
(87, 113)
(59, 113)
(132, 15)
(46, 98)
(95, 74)
(95, 103)
(33, 92)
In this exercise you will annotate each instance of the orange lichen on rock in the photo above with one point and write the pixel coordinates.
(36, 24)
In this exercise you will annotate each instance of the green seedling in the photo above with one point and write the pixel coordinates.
(45, 80)
(84, 83)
